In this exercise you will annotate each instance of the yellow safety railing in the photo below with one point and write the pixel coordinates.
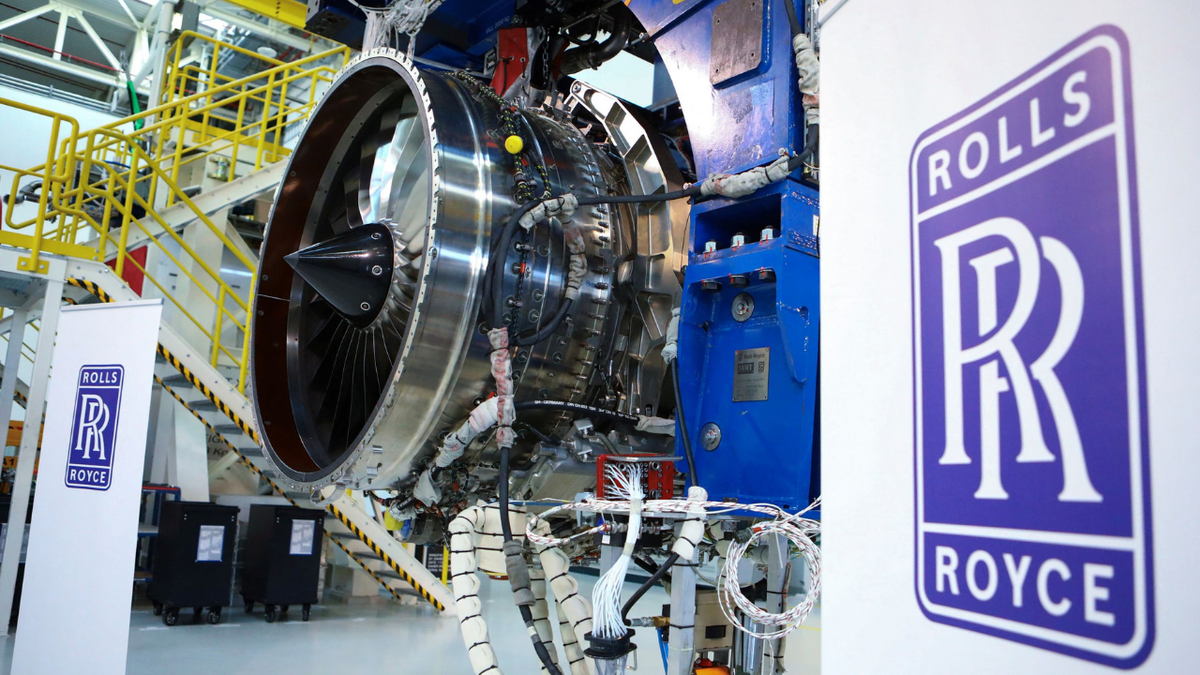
(104, 192)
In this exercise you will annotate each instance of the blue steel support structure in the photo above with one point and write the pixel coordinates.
(769, 449)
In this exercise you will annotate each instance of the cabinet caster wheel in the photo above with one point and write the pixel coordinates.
(158, 608)
(305, 612)
(249, 605)
(269, 614)
(214, 616)
(170, 617)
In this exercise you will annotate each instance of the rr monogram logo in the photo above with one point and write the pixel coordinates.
(999, 349)
(93, 420)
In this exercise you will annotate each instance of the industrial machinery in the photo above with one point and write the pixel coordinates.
(488, 287)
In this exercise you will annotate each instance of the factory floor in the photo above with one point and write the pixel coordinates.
(383, 638)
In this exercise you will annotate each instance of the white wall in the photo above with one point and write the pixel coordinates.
(25, 135)
(892, 70)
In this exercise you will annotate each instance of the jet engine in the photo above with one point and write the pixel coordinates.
(383, 266)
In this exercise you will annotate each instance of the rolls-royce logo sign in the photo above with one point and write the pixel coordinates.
(1031, 458)
(94, 427)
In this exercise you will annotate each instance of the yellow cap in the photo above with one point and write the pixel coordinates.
(513, 144)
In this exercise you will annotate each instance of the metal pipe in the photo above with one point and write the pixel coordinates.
(25, 16)
(591, 56)
(30, 436)
(60, 36)
(108, 55)
(162, 33)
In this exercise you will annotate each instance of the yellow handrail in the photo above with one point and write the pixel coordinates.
(102, 187)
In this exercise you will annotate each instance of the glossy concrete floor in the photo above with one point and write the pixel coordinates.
(375, 638)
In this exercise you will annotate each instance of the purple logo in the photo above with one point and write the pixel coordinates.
(1032, 465)
(94, 427)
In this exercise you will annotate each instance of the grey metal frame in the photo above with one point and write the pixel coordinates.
(47, 290)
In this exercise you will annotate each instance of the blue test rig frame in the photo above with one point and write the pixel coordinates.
(755, 435)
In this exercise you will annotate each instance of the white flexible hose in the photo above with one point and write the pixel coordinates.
(541, 613)
(571, 603)
(466, 592)
(692, 530)
(575, 658)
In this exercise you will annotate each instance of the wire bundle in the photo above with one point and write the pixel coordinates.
(729, 591)
(625, 481)
(797, 529)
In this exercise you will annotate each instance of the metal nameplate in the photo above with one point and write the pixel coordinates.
(751, 371)
(736, 39)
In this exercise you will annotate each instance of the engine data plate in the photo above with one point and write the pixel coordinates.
(751, 370)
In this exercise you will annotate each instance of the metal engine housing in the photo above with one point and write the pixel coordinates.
(402, 381)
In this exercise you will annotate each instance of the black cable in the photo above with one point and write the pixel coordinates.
(793, 20)
(647, 565)
(495, 270)
(647, 585)
(546, 331)
(568, 406)
(693, 191)
(810, 146)
(506, 529)
(683, 430)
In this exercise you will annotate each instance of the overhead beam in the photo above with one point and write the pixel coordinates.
(60, 37)
(129, 12)
(289, 12)
(24, 16)
(266, 30)
(64, 67)
(108, 55)
(115, 18)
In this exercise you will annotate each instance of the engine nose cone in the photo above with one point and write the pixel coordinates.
(351, 271)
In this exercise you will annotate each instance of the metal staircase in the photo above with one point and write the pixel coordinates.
(108, 192)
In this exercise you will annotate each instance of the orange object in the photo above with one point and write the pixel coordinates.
(712, 670)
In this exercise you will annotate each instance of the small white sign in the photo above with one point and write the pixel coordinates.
(303, 532)
(211, 543)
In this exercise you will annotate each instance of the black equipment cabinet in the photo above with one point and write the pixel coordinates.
(193, 561)
(283, 558)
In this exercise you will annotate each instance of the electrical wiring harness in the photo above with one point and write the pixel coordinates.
(795, 527)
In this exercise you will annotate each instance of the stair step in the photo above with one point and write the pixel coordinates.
(203, 405)
(176, 380)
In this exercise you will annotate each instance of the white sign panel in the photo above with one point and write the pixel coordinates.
(79, 569)
(303, 532)
(1009, 373)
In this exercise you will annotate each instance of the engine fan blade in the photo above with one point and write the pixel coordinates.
(353, 212)
(374, 175)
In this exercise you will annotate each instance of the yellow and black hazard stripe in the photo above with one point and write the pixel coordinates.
(386, 558)
(338, 514)
(90, 287)
(208, 394)
(95, 290)
(244, 460)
